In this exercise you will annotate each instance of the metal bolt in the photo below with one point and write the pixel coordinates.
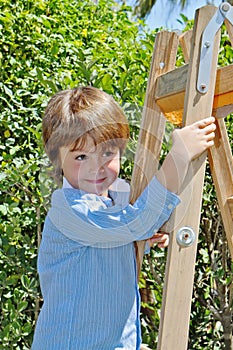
(203, 87)
(161, 65)
(207, 44)
(185, 236)
(225, 7)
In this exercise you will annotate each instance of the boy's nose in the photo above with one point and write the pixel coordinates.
(97, 165)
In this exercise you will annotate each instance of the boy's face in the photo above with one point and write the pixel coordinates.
(93, 168)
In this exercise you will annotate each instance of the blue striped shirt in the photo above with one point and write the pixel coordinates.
(87, 267)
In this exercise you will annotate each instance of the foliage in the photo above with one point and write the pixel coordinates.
(48, 45)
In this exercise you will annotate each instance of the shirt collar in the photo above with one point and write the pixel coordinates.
(119, 185)
(118, 191)
(66, 184)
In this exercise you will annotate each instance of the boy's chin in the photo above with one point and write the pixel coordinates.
(101, 192)
(98, 190)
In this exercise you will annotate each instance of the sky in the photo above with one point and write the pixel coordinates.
(163, 15)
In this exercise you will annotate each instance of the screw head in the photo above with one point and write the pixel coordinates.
(185, 236)
(161, 65)
(207, 44)
(203, 87)
(225, 7)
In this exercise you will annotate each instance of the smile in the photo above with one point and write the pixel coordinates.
(96, 182)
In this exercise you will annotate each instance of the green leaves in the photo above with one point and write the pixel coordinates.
(46, 46)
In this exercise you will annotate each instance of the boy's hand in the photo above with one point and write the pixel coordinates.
(188, 143)
(161, 238)
(192, 140)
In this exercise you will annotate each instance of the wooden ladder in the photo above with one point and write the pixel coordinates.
(172, 92)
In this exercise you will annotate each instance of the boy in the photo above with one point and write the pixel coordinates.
(86, 260)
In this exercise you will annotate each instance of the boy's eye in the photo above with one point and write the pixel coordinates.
(108, 153)
(81, 157)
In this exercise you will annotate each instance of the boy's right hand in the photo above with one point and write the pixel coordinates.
(160, 238)
(192, 140)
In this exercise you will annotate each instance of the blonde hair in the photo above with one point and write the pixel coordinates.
(73, 114)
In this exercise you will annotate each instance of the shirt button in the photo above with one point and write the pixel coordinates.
(170, 206)
(124, 211)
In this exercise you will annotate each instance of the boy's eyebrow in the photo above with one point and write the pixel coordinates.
(84, 150)
(81, 150)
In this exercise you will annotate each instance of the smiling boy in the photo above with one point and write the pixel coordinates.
(86, 260)
(93, 168)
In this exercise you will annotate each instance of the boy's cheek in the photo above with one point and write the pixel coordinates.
(114, 165)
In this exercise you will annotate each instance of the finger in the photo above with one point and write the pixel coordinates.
(206, 122)
(209, 129)
(161, 232)
(158, 238)
(210, 143)
(211, 136)
(163, 244)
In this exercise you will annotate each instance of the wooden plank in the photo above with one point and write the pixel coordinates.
(223, 99)
(170, 91)
(221, 164)
(230, 205)
(180, 266)
(153, 122)
(185, 43)
(175, 117)
(229, 27)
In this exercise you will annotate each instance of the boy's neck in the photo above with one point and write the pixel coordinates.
(119, 185)
(66, 184)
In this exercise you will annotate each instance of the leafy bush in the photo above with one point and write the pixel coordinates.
(47, 46)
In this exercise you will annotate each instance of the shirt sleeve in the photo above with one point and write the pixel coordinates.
(90, 222)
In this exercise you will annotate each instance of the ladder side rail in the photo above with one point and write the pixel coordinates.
(153, 123)
(180, 266)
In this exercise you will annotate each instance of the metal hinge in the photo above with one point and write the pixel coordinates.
(224, 12)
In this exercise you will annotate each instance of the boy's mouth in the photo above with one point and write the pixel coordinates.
(97, 181)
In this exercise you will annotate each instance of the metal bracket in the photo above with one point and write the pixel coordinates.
(185, 236)
(224, 12)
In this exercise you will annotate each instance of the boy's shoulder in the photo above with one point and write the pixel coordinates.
(119, 191)
(120, 185)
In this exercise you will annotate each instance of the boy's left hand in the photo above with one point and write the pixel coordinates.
(160, 238)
